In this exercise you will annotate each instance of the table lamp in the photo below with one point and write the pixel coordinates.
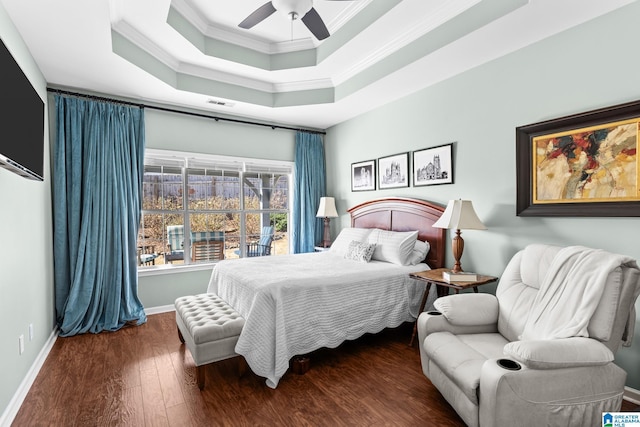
(459, 215)
(326, 210)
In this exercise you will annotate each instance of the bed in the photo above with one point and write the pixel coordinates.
(295, 304)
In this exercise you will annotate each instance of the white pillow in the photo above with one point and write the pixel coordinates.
(346, 236)
(415, 258)
(359, 251)
(422, 247)
(393, 246)
(419, 253)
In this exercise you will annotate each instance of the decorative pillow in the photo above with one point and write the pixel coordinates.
(346, 236)
(359, 251)
(393, 246)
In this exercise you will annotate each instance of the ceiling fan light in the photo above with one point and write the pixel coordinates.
(300, 7)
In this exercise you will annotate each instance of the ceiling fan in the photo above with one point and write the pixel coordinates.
(293, 9)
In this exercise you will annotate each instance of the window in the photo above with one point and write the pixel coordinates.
(202, 209)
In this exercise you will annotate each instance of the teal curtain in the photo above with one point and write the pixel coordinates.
(309, 186)
(97, 179)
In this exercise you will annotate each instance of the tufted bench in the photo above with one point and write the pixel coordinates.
(210, 328)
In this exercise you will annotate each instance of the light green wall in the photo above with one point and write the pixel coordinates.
(589, 67)
(26, 266)
(182, 132)
(171, 131)
(26, 286)
(592, 66)
(161, 290)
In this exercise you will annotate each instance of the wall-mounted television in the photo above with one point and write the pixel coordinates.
(21, 121)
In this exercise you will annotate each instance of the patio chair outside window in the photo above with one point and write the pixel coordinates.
(146, 248)
(263, 246)
(207, 245)
(175, 241)
(146, 256)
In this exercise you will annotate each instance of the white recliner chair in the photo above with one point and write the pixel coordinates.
(540, 352)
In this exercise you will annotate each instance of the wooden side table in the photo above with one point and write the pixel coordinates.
(434, 277)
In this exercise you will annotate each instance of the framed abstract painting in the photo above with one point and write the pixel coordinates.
(580, 165)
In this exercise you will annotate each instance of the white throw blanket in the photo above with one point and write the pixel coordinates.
(570, 293)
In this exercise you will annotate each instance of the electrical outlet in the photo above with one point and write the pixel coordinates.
(30, 331)
(21, 343)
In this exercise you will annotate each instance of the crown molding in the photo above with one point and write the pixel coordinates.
(211, 30)
(440, 16)
(224, 77)
(304, 85)
(233, 37)
(131, 33)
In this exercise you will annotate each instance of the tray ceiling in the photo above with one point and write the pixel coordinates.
(191, 53)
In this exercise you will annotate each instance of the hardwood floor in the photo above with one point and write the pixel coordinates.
(143, 376)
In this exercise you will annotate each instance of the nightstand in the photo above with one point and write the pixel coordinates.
(434, 277)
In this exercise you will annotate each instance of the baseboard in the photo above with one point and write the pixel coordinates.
(632, 395)
(159, 309)
(14, 405)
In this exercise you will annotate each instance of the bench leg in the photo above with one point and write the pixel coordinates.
(180, 335)
(200, 376)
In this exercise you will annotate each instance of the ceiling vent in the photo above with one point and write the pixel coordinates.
(220, 103)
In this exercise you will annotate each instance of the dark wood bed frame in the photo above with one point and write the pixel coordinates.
(404, 214)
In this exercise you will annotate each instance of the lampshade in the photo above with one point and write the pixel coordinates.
(327, 208)
(459, 215)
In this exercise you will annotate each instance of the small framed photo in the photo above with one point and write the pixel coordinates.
(432, 166)
(393, 171)
(363, 176)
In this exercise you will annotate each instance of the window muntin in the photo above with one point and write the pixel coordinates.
(210, 198)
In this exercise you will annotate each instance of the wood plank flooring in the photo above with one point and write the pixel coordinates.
(144, 376)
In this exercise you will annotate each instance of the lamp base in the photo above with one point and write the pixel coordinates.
(457, 246)
(326, 240)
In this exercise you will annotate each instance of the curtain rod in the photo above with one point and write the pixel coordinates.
(171, 110)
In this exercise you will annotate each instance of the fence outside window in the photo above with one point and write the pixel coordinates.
(206, 208)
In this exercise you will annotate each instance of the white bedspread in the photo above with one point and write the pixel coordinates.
(294, 304)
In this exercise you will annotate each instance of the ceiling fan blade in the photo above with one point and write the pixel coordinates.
(259, 15)
(315, 24)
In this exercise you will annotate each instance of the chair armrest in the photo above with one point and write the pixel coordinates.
(559, 353)
(433, 321)
(430, 322)
(469, 309)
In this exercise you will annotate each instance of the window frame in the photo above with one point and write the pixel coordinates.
(189, 161)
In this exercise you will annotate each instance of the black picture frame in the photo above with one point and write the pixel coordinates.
(527, 203)
(363, 175)
(433, 165)
(393, 171)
